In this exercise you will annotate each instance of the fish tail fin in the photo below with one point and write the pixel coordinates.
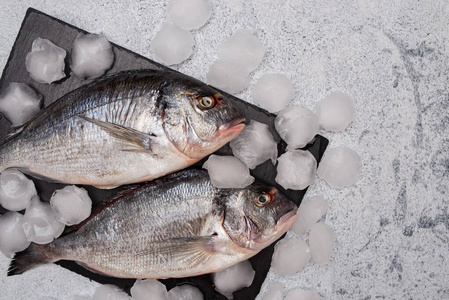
(27, 259)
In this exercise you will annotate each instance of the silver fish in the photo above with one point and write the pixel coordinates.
(130, 127)
(175, 226)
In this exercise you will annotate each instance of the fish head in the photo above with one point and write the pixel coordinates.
(199, 120)
(258, 216)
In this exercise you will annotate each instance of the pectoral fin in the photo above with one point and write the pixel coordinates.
(136, 140)
(188, 252)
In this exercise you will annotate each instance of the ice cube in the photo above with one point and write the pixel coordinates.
(309, 212)
(234, 278)
(39, 222)
(255, 145)
(242, 48)
(16, 190)
(274, 291)
(110, 292)
(229, 77)
(227, 172)
(273, 92)
(12, 236)
(321, 241)
(19, 103)
(296, 169)
(189, 15)
(301, 294)
(290, 256)
(91, 56)
(185, 292)
(340, 167)
(71, 205)
(45, 62)
(146, 289)
(296, 125)
(172, 44)
(335, 112)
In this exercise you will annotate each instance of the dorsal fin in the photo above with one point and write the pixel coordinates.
(98, 209)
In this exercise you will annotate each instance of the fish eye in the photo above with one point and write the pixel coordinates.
(206, 102)
(263, 200)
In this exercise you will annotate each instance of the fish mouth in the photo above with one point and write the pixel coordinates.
(287, 220)
(235, 126)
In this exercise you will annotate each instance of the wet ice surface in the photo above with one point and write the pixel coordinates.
(274, 291)
(340, 167)
(297, 126)
(242, 48)
(185, 292)
(16, 190)
(273, 92)
(321, 241)
(296, 169)
(301, 294)
(12, 236)
(172, 45)
(39, 222)
(19, 103)
(227, 172)
(71, 205)
(91, 56)
(310, 211)
(143, 288)
(45, 61)
(255, 145)
(290, 256)
(110, 292)
(227, 76)
(335, 112)
(234, 278)
(189, 15)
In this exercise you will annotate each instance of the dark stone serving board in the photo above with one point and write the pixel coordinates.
(37, 24)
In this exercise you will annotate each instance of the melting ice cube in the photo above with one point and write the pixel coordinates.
(254, 145)
(227, 172)
(71, 205)
(243, 49)
(12, 236)
(185, 292)
(274, 291)
(142, 288)
(190, 14)
(234, 278)
(172, 44)
(296, 169)
(309, 212)
(229, 77)
(91, 56)
(340, 167)
(296, 125)
(19, 103)
(45, 62)
(290, 256)
(335, 112)
(39, 222)
(321, 241)
(273, 92)
(16, 190)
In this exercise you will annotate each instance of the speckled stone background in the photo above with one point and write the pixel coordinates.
(392, 227)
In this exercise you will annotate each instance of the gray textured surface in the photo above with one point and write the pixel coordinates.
(392, 227)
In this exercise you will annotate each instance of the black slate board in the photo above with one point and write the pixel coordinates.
(37, 24)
